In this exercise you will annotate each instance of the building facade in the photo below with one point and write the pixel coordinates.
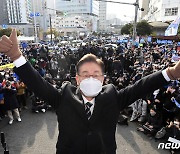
(78, 6)
(87, 12)
(162, 10)
(145, 5)
(102, 16)
(72, 25)
(4, 19)
(46, 10)
(16, 12)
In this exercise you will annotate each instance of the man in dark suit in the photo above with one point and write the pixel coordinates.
(87, 114)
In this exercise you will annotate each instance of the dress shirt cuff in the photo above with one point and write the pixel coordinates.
(20, 61)
(164, 73)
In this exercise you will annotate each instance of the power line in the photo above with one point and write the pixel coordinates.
(118, 2)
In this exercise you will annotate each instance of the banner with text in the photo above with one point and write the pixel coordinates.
(3, 67)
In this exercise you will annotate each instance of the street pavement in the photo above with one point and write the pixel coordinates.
(37, 134)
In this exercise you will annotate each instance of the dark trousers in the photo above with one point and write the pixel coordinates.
(21, 100)
(54, 72)
(2, 110)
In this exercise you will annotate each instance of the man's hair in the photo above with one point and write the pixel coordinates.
(89, 58)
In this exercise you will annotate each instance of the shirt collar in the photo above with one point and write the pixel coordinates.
(85, 100)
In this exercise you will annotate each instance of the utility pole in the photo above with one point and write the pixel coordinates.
(135, 21)
(136, 4)
(44, 18)
(50, 22)
(35, 26)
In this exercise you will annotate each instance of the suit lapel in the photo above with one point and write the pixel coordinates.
(79, 106)
(97, 109)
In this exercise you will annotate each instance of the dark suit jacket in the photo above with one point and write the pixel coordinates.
(77, 135)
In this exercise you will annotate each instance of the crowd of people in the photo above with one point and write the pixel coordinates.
(158, 114)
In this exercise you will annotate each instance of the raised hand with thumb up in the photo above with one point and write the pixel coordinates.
(10, 46)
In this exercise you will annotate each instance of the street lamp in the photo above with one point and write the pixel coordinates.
(136, 4)
(50, 19)
(135, 21)
(50, 24)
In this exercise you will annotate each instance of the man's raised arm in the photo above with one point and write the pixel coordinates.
(147, 85)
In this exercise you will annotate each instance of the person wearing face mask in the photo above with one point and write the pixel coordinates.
(87, 113)
(153, 124)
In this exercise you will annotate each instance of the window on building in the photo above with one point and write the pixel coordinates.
(171, 11)
(175, 11)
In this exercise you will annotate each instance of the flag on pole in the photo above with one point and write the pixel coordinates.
(173, 28)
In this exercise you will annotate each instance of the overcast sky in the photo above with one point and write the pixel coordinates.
(122, 11)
